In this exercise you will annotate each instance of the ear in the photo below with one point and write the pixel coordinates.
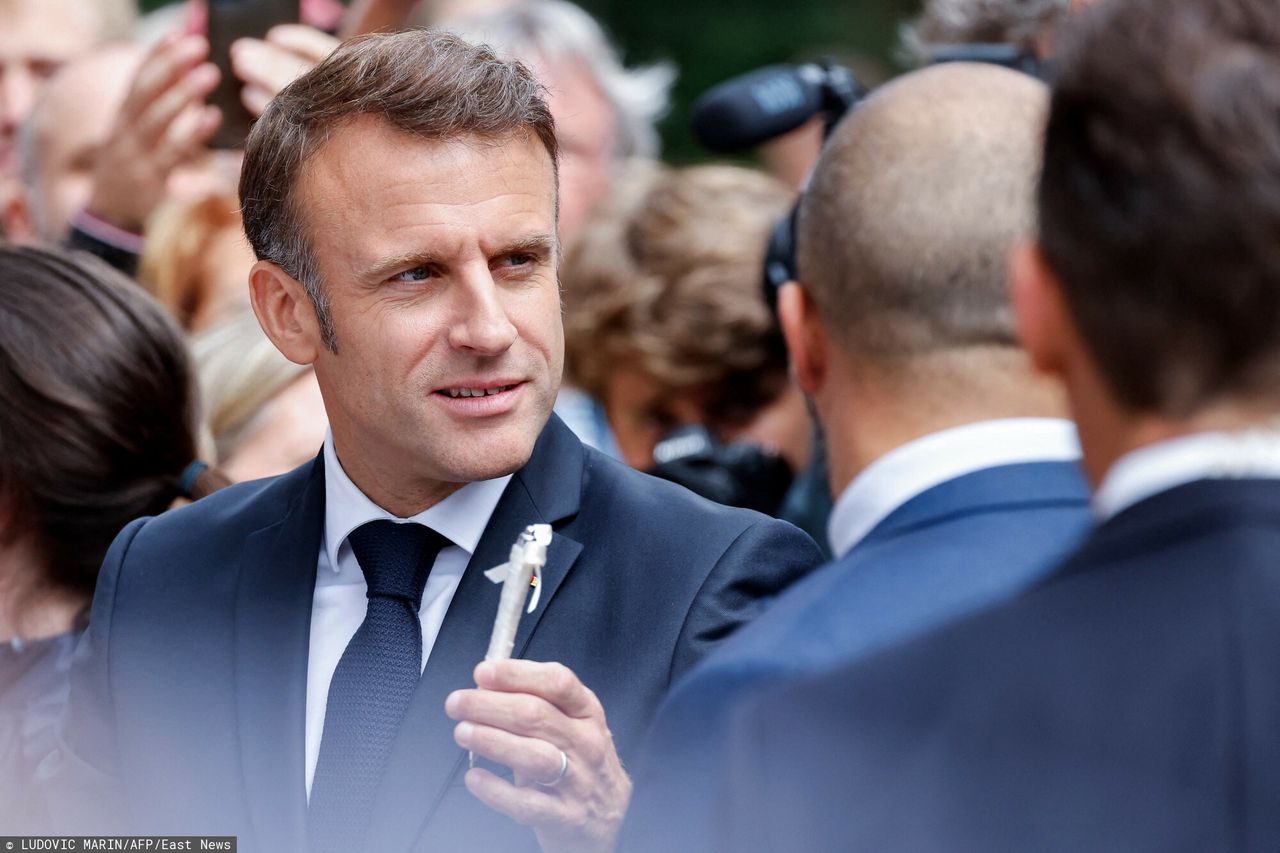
(807, 343)
(1043, 321)
(285, 312)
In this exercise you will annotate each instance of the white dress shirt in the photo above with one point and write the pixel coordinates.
(931, 460)
(340, 600)
(1159, 467)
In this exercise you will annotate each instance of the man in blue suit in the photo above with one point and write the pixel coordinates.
(1128, 702)
(291, 661)
(958, 487)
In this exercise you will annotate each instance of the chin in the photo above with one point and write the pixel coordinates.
(487, 460)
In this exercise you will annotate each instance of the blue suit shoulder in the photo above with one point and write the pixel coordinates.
(204, 538)
(1107, 708)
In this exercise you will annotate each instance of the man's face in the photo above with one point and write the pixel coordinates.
(439, 262)
(36, 39)
(587, 137)
(74, 120)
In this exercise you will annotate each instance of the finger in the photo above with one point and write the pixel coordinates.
(529, 758)
(168, 61)
(262, 64)
(186, 136)
(255, 99)
(527, 806)
(518, 713)
(189, 89)
(307, 42)
(554, 682)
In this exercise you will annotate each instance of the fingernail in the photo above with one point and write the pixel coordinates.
(485, 671)
(452, 702)
(463, 732)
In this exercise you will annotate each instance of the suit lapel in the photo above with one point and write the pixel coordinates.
(272, 640)
(425, 758)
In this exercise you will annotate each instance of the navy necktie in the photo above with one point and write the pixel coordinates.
(373, 683)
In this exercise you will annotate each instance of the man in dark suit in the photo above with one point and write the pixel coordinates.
(1128, 702)
(282, 661)
(959, 487)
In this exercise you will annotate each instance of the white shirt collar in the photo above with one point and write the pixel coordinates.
(1159, 467)
(919, 465)
(461, 518)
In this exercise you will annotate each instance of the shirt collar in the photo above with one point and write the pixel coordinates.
(1158, 467)
(919, 465)
(461, 518)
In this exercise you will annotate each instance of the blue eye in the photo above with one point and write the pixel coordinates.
(415, 274)
(520, 259)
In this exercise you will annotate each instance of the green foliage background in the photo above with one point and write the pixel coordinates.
(712, 40)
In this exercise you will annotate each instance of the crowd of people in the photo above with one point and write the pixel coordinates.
(944, 523)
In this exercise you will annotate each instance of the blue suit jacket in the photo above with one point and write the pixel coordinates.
(187, 714)
(1130, 703)
(950, 550)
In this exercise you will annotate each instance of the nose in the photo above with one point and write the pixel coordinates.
(482, 325)
(17, 94)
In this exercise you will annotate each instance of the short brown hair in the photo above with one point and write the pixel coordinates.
(426, 83)
(99, 414)
(1160, 198)
(668, 278)
(906, 226)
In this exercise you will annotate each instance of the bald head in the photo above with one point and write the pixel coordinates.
(911, 212)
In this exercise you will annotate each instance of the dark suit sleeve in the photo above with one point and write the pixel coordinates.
(81, 779)
(764, 560)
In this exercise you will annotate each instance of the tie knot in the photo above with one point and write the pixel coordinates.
(396, 558)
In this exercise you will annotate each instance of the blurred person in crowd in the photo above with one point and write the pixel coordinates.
(958, 480)
(310, 642)
(116, 132)
(264, 412)
(37, 37)
(1127, 701)
(97, 428)
(196, 261)
(604, 113)
(665, 318)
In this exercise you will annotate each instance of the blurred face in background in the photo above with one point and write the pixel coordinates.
(77, 112)
(37, 37)
(642, 412)
(72, 123)
(587, 137)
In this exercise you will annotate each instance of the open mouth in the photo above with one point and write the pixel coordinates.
(475, 392)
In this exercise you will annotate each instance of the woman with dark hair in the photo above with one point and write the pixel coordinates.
(97, 427)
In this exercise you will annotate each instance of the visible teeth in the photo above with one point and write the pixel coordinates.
(475, 392)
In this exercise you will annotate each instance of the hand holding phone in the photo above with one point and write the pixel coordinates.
(266, 66)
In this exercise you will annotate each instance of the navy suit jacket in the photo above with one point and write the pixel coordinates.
(954, 548)
(1130, 703)
(189, 704)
